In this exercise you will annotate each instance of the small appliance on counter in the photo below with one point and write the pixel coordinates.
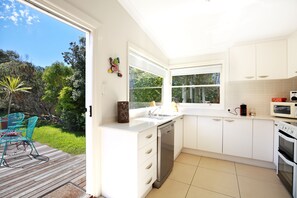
(243, 110)
(293, 95)
(283, 109)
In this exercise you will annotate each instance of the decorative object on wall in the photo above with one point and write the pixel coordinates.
(114, 66)
(123, 112)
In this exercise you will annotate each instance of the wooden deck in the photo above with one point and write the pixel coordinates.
(29, 177)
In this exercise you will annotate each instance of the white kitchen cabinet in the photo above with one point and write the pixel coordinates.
(261, 61)
(210, 134)
(237, 137)
(178, 136)
(190, 132)
(271, 60)
(292, 55)
(275, 146)
(263, 140)
(242, 63)
(129, 162)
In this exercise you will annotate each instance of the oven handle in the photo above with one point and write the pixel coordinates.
(287, 138)
(286, 160)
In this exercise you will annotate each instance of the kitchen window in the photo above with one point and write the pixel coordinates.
(145, 81)
(198, 85)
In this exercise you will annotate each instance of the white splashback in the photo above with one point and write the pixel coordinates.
(258, 94)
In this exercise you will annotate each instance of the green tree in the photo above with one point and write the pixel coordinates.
(71, 117)
(11, 86)
(12, 65)
(9, 55)
(73, 111)
(144, 87)
(55, 79)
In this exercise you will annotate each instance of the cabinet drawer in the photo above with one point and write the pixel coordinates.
(147, 136)
(147, 167)
(147, 151)
(147, 181)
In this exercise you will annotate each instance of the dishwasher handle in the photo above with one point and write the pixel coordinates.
(170, 123)
(166, 128)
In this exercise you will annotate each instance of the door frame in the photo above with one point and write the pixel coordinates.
(69, 14)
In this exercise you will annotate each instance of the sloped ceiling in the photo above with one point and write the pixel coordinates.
(185, 28)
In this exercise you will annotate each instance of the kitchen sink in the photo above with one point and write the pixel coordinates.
(154, 118)
(159, 116)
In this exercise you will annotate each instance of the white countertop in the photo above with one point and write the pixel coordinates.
(144, 123)
(140, 124)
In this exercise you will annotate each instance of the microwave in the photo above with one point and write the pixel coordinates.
(283, 109)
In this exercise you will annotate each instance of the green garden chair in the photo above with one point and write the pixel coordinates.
(20, 139)
(11, 123)
(14, 120)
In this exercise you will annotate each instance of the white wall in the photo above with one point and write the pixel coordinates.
(258, 94)
(255, 94)
(117, 29)
(112, 29)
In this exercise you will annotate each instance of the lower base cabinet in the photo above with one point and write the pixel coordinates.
(190, 132)
(241, 137)
(129, 162)
(210, 132)
(238, 137)
(263, 140)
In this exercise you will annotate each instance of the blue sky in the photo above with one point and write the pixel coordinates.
(37, 37)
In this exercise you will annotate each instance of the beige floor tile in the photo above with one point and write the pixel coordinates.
(170, 189)
(252, 188)
(188, 159)
(216, 164)
(217, 181)
(183, 172)
(258, 173)
(196, 192)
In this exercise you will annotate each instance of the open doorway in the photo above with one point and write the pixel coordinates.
(77, 51)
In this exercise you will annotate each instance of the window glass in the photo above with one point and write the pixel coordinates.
(198, 79)
(144, 87)
(203, 88)
(196, 94)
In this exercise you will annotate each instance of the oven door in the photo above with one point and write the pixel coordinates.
(287, 173)
(287, 146)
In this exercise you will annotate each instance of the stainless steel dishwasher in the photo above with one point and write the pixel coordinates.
(165, 152)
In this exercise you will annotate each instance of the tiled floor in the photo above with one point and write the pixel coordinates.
(202, 177)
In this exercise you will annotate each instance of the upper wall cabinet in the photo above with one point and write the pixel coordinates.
(243, 63)
(292, 55)
(267, 60)
(271, 60)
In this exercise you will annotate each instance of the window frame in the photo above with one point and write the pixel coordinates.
(201, 68)
(161, 71)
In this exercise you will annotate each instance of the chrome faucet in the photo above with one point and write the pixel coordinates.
(151, 112)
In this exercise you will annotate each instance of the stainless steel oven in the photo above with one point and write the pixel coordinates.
(287, 155)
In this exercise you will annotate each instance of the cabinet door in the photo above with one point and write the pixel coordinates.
(292, 55)
(242, 63)
(178, 136)
(263, 140)
(237, 137)
(271, 60)
(210, 134)
(190, 131)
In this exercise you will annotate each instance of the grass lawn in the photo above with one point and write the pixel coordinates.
(58, 138)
